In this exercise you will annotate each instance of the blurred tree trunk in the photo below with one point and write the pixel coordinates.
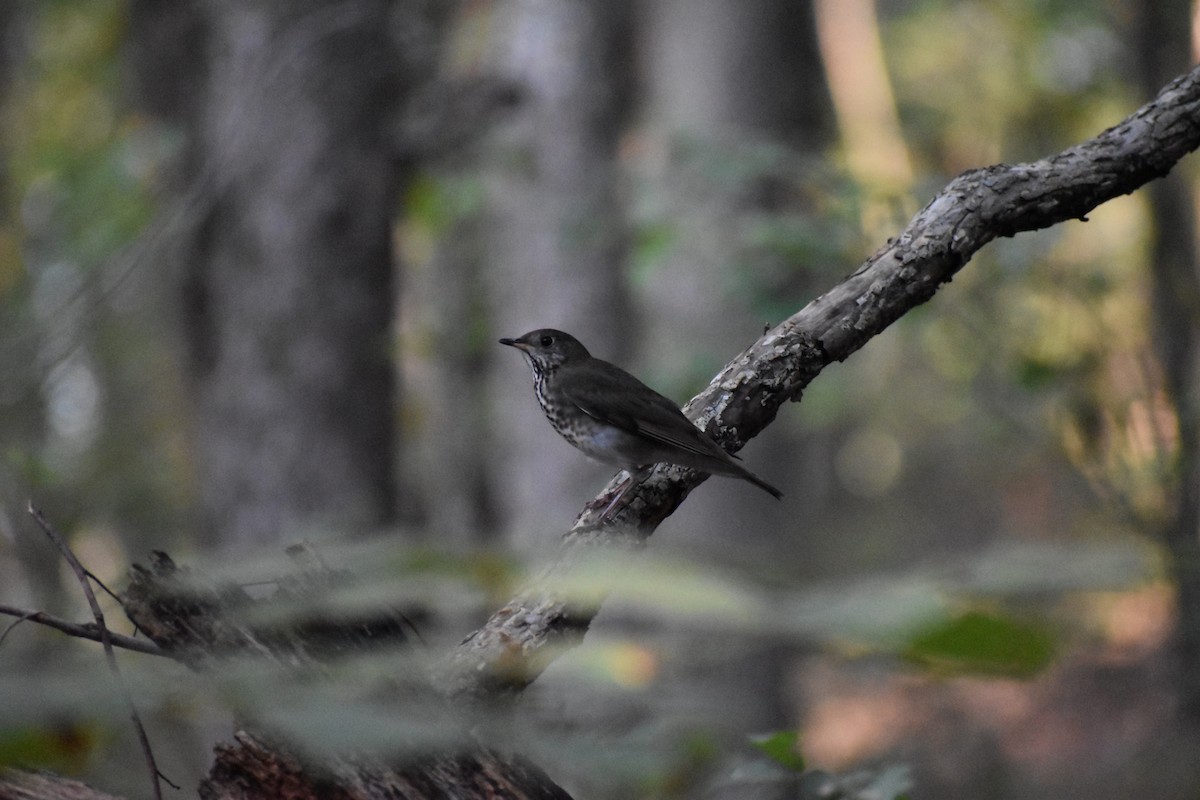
(287, 290)
(1163, 45)
(731, 88)
(735, 96)
(556, 240)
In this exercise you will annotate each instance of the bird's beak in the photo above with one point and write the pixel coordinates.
(514, 343)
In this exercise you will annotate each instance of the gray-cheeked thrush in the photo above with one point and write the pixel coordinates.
(615, 418)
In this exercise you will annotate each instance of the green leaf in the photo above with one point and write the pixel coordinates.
(977, 643)
(653, 242)
(782, 747)
(65, 746)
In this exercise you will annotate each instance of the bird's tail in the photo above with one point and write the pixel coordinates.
(760, 483)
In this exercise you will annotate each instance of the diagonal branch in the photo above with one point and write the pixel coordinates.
(972, 210)
(81, 630)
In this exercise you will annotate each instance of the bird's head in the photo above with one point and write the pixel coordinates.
(547, 349)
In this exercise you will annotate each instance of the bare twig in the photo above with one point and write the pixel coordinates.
(20, 618)
(100, 583)
(106, 640)
(81, 630)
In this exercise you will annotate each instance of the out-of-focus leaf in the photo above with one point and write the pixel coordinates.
(887, 783)
(977, 643)
(33, 469)
(652, 243)
(437, 202)
(799, 239)
(782, 747)
(1059, 566)
(1034, 374)
(663, 587)
(880, 612)
(61, 747)
(624, 663)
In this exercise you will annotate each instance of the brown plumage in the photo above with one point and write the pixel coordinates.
(615, 418)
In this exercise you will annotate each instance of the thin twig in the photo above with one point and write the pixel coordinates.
(111, 594)
(100, 583)
(20, 618)
(82, 631)
(106, 640)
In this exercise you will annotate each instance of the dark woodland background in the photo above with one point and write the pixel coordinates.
(255, 256)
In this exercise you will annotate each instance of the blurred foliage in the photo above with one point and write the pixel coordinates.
(91, 391)
(72, 153)
(887, 783)
(1049, 331)
(432, 206)
(63, 748)
(985, 644)
(342, 703)
(782, 747)
(1006, 82)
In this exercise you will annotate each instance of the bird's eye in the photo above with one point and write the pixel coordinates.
(546, 341)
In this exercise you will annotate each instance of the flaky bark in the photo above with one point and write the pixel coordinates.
(975, 208)
(249, 769)
(22, 785)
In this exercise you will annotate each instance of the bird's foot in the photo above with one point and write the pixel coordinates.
(631, 477)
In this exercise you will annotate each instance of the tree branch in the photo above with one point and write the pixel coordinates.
(21, 785)
(972, 210)
(82, 631)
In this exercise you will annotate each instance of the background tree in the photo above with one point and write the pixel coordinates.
(555, 235)
(735, 114)
(287, 277)
(1163, 47)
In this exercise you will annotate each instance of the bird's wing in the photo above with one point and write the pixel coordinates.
(616, 398)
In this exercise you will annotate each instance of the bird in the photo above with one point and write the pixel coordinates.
(615, 418)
